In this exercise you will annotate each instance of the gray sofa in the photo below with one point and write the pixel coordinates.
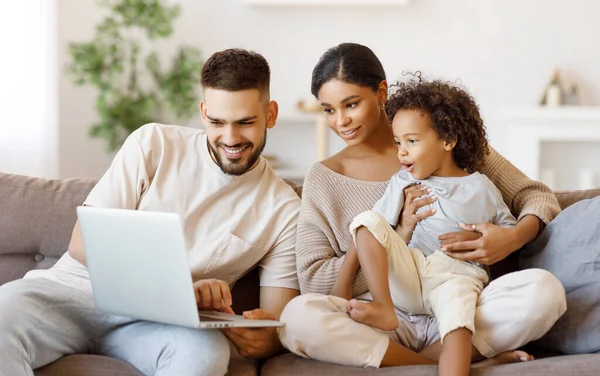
(36, 220)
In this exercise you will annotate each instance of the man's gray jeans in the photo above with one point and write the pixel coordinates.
(42, 321)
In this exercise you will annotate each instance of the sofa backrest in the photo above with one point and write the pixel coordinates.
(36, 220)
(37, 217)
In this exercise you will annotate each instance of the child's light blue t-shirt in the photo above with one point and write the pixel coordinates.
(471, 199)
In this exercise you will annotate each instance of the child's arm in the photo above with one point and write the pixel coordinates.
(345, 279)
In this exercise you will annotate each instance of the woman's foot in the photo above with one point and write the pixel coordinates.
(377, 315)
(505, 358)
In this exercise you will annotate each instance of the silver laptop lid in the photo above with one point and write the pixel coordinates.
(138, 264)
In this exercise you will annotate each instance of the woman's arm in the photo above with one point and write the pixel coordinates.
(522, 195)
(534, 203)
(495, 243)
(319, 259)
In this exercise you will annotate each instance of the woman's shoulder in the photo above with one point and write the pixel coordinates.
(335, 163)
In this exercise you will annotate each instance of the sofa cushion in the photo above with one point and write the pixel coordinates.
(569, 247)
(36, 220)
(89, 365)
(568, 198)
(96, 365)
(576, 365)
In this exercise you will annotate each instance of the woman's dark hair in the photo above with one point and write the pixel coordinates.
(348, 62)
(453, 112)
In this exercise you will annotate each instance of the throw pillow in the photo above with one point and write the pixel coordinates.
(569, 248)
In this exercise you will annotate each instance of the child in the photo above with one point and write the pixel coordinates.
(441, 144)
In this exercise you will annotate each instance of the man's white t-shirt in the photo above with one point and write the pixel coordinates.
(231, 223)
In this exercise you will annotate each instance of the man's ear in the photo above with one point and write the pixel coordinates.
(449, 145)
(382, 93)
(202, 107)
(272, 113)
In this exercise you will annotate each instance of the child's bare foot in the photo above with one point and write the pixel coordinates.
(377, 315)
(505, 358)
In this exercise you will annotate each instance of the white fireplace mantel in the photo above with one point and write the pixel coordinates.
(526, 130)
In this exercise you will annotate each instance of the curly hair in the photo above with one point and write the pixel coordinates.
(453, 112)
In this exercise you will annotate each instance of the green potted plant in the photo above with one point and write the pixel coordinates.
(133, 87)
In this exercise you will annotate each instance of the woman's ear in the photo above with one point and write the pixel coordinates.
(382, 93)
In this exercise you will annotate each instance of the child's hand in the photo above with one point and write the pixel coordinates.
(412, 203)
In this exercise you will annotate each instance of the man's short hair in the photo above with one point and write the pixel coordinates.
(236, 69)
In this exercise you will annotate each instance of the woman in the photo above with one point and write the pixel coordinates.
(349, 81)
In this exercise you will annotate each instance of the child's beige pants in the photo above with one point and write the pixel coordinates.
(436, 285)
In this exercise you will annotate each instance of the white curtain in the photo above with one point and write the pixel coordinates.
(28, 88)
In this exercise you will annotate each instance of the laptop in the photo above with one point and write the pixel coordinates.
(138, 267)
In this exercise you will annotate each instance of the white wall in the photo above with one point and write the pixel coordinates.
(29, 117)
(503, 51)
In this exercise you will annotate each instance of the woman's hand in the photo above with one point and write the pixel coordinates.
(487, 245)
(460, 236)
(413, 202)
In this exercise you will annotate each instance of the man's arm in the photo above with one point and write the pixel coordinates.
(262, 342)
(274, 299)
(76, 245)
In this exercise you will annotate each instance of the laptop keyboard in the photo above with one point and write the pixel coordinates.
(205, 318)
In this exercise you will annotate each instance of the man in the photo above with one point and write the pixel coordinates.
(235, 213)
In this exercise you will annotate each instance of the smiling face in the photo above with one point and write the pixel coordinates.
(236, 125)
(352, 111)
(420, 150)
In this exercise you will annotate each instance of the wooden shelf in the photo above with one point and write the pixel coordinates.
(337, 3)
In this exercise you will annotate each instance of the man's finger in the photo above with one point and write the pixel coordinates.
(215, 290)
(258, 314)
(233, 336)
(206, 295)
(226, 293)
(227, 309)
(197, 294)
(462, 246)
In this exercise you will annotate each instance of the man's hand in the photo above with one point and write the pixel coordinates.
(255, 343)
(213, 294)
(413, 202)
(492, 244)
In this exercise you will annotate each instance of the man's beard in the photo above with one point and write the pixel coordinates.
(236, 167)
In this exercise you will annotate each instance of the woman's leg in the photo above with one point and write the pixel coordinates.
(318, 327)
(512, 311)
(516, 309)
